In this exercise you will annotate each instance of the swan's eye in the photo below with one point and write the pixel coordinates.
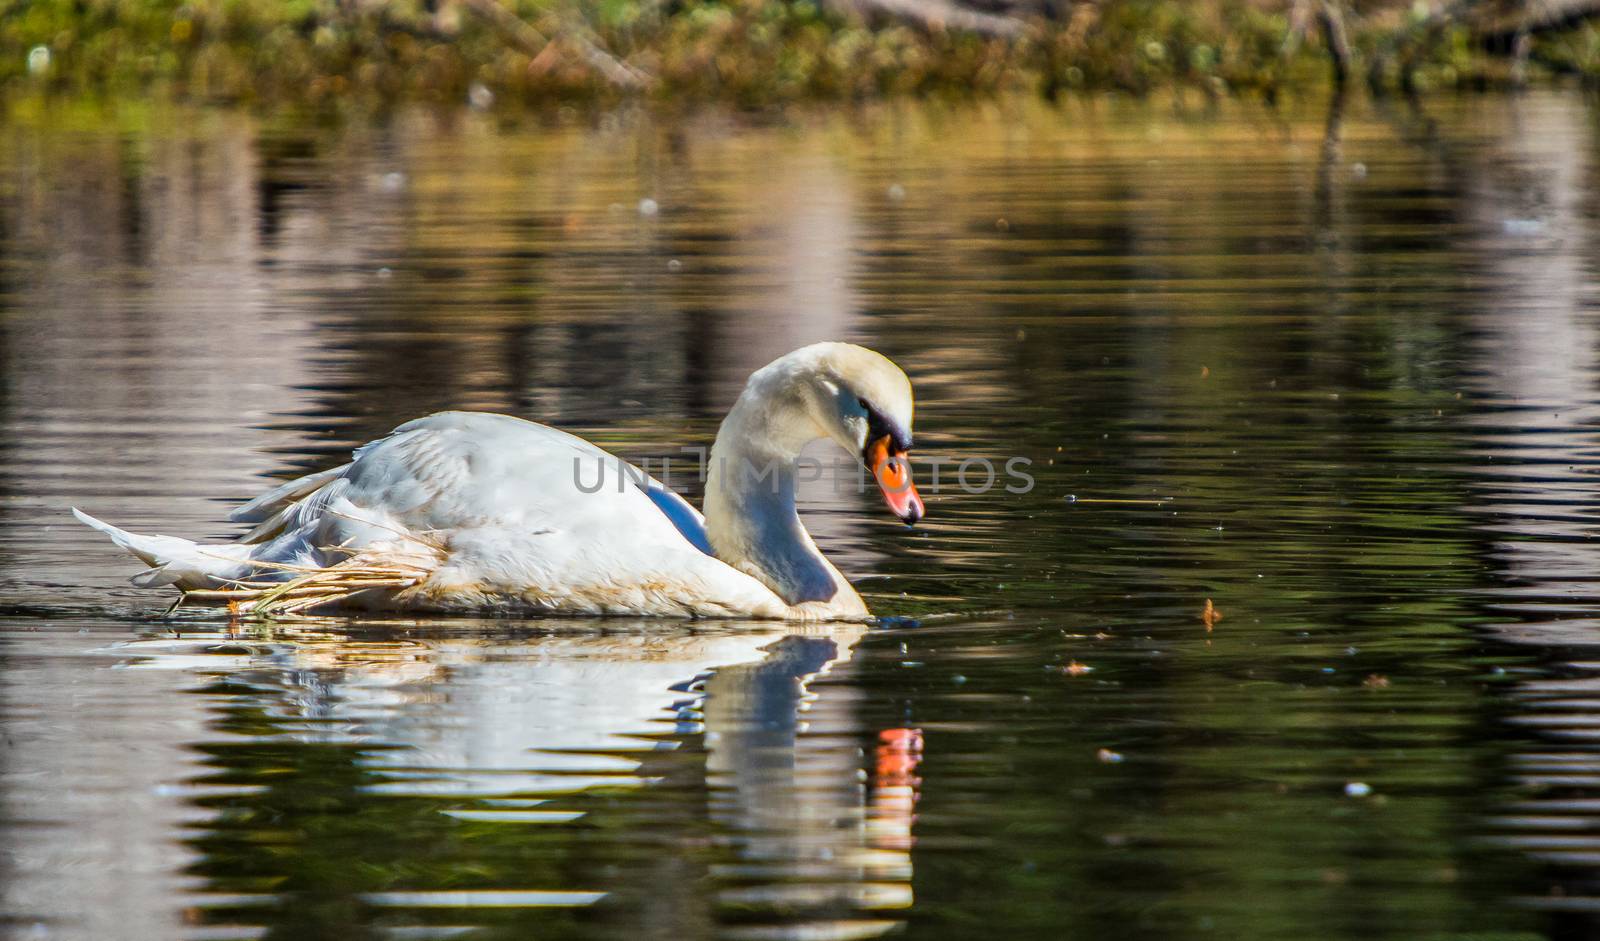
(863, 403)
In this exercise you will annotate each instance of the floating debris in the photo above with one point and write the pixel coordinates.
(1357, 789)
(1074, 668)
(1107, 756)
(1210, 616)
(1376, 681)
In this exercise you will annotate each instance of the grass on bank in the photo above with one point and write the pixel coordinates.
(749, 53)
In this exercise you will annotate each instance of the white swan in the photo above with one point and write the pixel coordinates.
(471, 511)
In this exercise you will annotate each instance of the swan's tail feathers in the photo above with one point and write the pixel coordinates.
(174, 561)
(289, 505)
(289, 575)
(284, 494)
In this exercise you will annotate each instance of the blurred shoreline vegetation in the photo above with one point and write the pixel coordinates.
(760, 53)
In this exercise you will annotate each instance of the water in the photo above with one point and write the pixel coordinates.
(1336, 371)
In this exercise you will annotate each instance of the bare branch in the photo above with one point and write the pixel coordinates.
(523, 35)
(1336, 38)
(937, 16)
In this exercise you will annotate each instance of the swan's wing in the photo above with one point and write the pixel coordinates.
(490, 507)
(462, 470)
(455, 472)
(520, 508)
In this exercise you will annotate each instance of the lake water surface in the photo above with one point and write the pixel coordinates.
(1337, 371)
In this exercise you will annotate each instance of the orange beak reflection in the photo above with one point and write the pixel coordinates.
(892, 471)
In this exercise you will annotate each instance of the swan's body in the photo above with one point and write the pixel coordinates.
(472, 511)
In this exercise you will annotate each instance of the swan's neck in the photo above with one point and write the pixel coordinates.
(750, 512)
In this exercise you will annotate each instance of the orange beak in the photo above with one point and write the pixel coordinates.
(892, 471)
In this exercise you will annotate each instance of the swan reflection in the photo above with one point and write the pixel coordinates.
(808, 816)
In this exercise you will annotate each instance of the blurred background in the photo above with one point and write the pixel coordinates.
(1320, 357)
(765, 53)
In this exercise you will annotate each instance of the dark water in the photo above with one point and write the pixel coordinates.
(1337, 372)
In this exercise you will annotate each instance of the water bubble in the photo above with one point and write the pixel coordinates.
(648, 207)
(392, 182)
(38, 60)
(1358, 170)
(480, 96)
(1357, 789)
(384, 272)
(674, 265)
(897, 192)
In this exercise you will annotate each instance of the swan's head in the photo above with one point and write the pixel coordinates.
(862, 400)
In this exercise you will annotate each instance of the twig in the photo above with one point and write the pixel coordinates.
(525, 37)
(937, 16)
(1336, 38)
(1331, 17)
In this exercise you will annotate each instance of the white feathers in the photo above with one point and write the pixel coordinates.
(468, 510)
(174, 561)
(277, 499)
